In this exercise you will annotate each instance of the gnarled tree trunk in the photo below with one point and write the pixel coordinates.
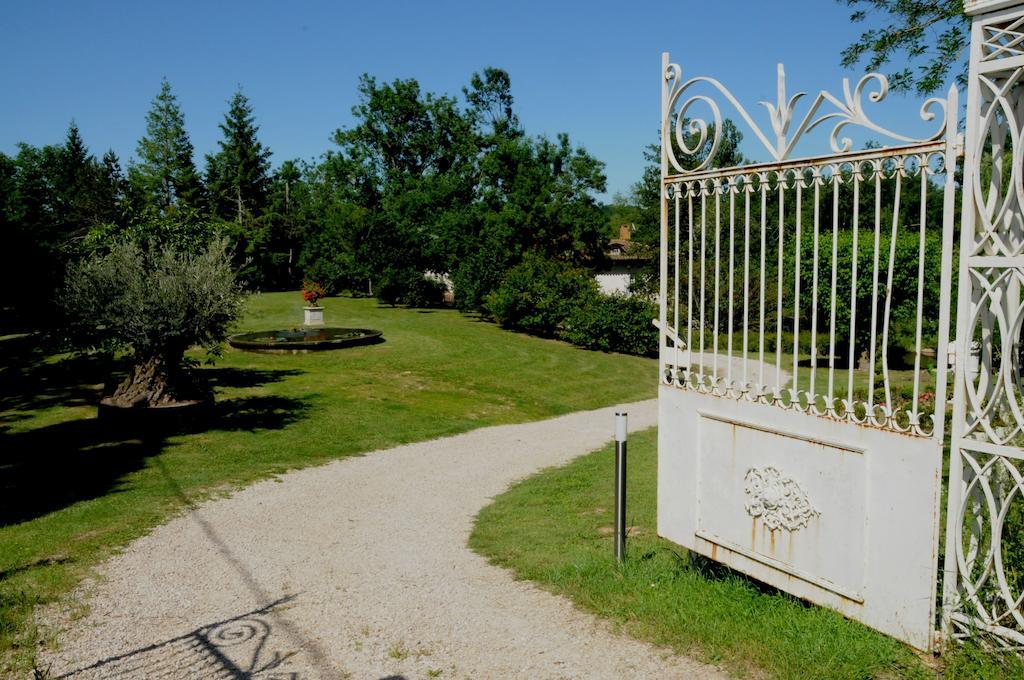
(156, 381)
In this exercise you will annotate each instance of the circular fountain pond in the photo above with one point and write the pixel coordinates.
(305, 339)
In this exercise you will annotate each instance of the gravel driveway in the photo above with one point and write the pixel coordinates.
(360, 569)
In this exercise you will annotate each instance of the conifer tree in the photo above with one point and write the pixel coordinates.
(165, 175)
(237, 175)
(75, 197)
(113, 187)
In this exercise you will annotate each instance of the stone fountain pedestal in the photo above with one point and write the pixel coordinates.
(314, 316)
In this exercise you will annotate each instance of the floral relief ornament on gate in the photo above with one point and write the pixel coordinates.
(779, 501)
(690, 134)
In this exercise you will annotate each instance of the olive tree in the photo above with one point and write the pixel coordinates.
(153, 303)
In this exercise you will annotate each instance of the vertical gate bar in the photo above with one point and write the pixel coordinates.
(799, 180)
(814, 283)
(732, 269)
(836, 177)
(717, 185)
(888, 292)
(675, 282)
(747, 188)
(763, 181)
(689, 273)
(778, 323)
(703, 273)
(921, 254)
(874, 287)
(855, 249)
(663, 233)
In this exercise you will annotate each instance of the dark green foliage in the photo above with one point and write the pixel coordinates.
(903, 302)
(538, 295)
(409, 162)
(928, 38)
(237, 176)
(237, 184)
(322, 224)
(613, 323)
(285, 225)
(409, 287)
(51, 198)
(165, 177)
(186, 230)
(479, 272)
(490, 105)
(113, 190)
(328, 256)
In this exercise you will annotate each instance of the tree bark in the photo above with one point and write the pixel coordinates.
(156, 381)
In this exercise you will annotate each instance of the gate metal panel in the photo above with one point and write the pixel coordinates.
(777, 456)
(852, 526)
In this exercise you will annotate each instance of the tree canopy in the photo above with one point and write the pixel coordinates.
(924, 41)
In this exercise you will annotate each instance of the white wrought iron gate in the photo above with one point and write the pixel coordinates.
(804, 326)
(984, 560)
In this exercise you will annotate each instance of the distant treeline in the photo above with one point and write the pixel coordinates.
(420, 183)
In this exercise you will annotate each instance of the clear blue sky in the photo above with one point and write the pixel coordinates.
(587, 68)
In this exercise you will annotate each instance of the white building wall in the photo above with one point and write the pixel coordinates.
(614, 283)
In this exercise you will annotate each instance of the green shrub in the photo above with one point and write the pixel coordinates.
(477, 275)
(613, 323)
(538, 294)
(409, 287)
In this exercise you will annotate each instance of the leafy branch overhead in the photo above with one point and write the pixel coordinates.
(924, 42)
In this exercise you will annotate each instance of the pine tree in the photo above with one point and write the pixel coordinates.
(237, 175)
(75, 150)
(165, 175)
(74, 183)
(112, 187)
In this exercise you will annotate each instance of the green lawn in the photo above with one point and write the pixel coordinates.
(73, 490)
(556, 529)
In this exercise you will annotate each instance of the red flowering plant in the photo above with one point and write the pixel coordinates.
(312, 292)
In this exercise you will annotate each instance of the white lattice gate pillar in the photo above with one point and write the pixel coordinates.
(984, 559)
